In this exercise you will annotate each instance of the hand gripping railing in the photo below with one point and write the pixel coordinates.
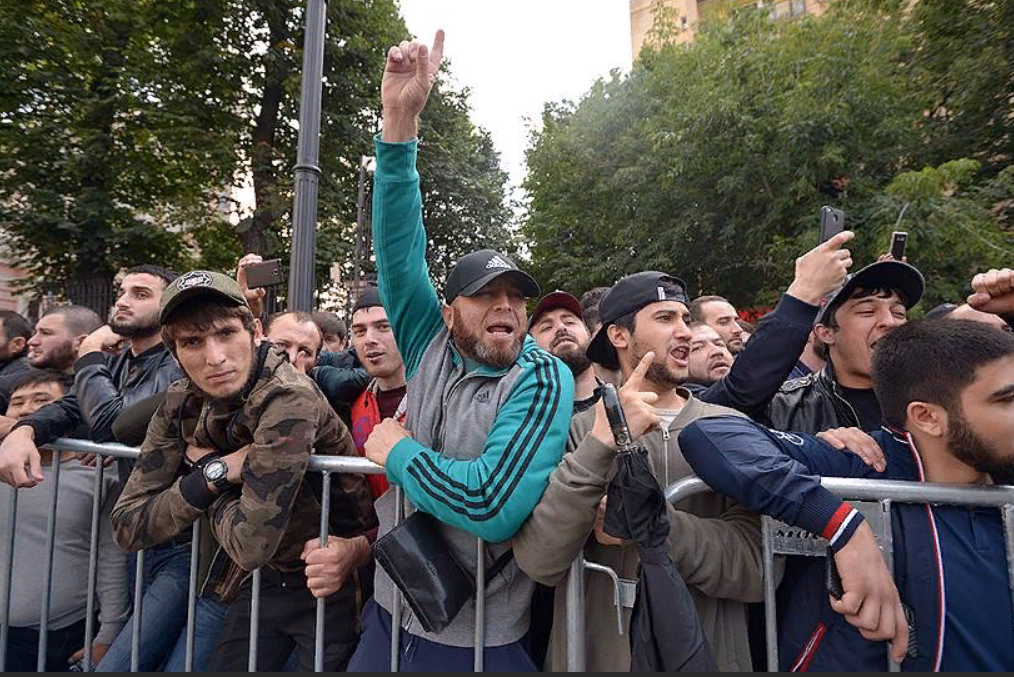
(873, 498)
(326, 465)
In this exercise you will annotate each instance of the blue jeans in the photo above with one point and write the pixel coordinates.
(208, 618)
(421, 655)
(163, 612)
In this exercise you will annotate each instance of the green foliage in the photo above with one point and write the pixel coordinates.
(711, 160)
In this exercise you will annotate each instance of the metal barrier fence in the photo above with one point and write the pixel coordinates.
(874, 498)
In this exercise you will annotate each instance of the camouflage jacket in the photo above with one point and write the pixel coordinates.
(284, 417)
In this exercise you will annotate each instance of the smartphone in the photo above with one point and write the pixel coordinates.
(832, 222)
(898, 241)
(264, 274)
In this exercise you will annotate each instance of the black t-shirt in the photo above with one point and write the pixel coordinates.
(582, 405)
(388, 401)
(864, 401)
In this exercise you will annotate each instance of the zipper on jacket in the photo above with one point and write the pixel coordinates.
(855, 416)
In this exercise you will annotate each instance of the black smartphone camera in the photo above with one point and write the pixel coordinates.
(264, 274)
(898, 241)
(832, 222)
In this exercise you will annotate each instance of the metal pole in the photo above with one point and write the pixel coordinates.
(888, 548)
(357, 256)
(255, 617)
(93, 563)
(47, 589)
(770, 615)
(195, 546)
(1008, 532)
(575, 616)
(318, 631)
(135, 640)
(307, 173)
(399, 516)
(480, 603)
(8, 578)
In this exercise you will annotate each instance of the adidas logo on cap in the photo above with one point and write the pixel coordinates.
(498, 262)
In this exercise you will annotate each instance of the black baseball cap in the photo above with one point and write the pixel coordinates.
(629, 295)
(370, 298)
(474, 271)
(897, 275)
(199, 283)
(552, 301)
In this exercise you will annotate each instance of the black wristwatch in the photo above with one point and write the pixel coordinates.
(216, 472)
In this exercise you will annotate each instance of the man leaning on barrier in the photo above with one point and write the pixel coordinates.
(947, 392)
(487, 409)
(233, 440)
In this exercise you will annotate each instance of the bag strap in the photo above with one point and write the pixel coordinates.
(498, 565)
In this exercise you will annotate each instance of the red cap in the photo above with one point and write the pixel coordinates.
(552, 301)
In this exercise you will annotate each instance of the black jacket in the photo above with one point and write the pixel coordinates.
(811, 405)
(765, 362)
(103, 387)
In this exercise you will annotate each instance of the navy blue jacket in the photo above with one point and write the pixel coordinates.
(971, 628)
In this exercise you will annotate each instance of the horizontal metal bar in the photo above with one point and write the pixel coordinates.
(899, 491)
(331, 464)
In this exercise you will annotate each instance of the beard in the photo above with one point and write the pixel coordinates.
(136, 327)
(575, 358)
(969, 448)
(472, 345)
(60, 358)
(658, 371)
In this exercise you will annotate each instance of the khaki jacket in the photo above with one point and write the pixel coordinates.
(714, 542)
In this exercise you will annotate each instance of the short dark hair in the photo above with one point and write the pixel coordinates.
(14, 325)
(33, 376)
(202, 317)
(590, 306)
(78, 319)
(300, 317)
(697, 305)
(166, 274)
(933, 361)
(329, 323)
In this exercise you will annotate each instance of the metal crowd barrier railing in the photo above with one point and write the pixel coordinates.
(873, 497)
(326, 465)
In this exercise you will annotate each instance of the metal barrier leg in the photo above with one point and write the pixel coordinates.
(480, 603)
(770, 611)
(135, 640)
(47, 589)
(888, 546)
(575, 616)
(399, 516)
(318, 630)
(1007, 512)
(93, 564)
(195, 543)
(255, 616)
(8, 578)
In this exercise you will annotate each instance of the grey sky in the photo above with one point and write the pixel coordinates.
(519, 54)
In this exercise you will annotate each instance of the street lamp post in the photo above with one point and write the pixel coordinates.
(361, 251)
(307, 172)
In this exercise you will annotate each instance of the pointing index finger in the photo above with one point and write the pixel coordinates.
(642, 368)
(437, 51)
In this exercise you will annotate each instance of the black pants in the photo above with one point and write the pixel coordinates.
(23, 648)
(288, 613)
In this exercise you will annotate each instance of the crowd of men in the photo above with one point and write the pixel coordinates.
(490, 420)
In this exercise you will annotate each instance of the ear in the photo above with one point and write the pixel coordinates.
(17, 344)
(448, 312)
(618, 336)
(258, 330)
(929, 419)
(78, 340)
(825, 334)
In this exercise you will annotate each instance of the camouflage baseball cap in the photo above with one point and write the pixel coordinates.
(199, 283)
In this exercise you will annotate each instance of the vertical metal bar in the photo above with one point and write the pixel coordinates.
(480, 603)
(1008, 532)
(399, 516)
(887, 545)
(576, 616)
(318, 630)
(195, 546)
(255, 617)
(93, 562)
(770, 615)
(304, 208)
(135, 640)
(8, 577)
(47, 588)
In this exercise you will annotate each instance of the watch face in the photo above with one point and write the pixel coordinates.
(215, 470)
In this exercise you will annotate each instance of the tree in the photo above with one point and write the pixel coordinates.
(103, 131)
